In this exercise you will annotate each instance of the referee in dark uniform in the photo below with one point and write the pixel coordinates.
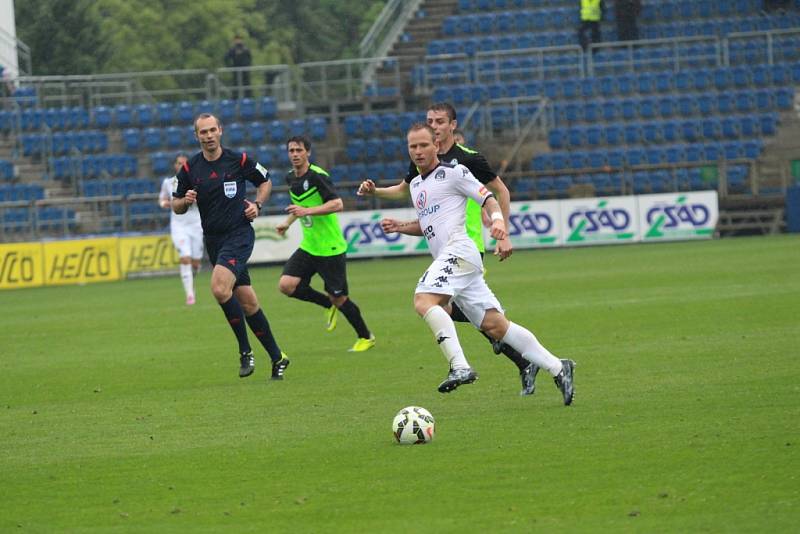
(216, 179)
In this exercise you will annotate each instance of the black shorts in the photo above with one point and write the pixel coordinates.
(332, 270)
(232, 251)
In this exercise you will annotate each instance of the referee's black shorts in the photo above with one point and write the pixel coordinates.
(232, 250)
(332, 270)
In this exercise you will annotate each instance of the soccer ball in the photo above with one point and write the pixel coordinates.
(413, 425)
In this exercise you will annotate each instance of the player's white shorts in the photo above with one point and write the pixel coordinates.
(188, 240)
(449, 275)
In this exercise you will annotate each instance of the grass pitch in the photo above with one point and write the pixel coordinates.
(121, 408)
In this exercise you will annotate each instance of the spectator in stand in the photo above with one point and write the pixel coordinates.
(775, 5)
(627, 11)
(239, 56)
(591, 15)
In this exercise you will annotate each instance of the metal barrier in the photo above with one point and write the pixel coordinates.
(672, 53)
(387, 27)
(774, 43)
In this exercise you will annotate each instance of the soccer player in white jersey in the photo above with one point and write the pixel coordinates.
(186, 232)
(439, 194)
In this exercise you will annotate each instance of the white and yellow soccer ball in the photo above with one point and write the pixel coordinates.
(413, 425)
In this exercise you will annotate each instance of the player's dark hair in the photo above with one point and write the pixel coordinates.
(446, 107)
(300, 139)
(207, 116)
(422, 126)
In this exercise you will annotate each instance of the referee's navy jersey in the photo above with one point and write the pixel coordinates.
(221, 187)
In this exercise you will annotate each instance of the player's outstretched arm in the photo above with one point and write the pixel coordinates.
(498, 188)
(393, 192)
(281, 228)
(498, 229)
(391, 226)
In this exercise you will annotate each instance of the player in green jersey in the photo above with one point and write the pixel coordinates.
(322, 251)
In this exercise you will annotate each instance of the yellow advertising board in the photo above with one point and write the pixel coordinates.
(147, 254)
(21, 265)
(81, 261)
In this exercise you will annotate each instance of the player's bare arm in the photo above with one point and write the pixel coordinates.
(332, 206)
(282, 227)
(498, 188)
(498, 228)
(393, 192)
(391, 226)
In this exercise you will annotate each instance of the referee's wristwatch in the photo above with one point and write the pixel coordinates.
(258, 205)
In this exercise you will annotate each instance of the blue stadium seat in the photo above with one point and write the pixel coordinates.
(277, 131)
(165, 111)
(614, 134)
(355, 149)
(173, 137)
(131, 139)
(597, 159)
(694, 152)
(711, 128)
(674, 154)
(768, 124)
(611, 110)
(123, 117)
(633, 133)
(267, 108)
(635, 156)
(616, 157)
(247, 109)
(752, 148)
(576, 136)
(256, 132)
(151, 138)
(713, 151)
(318, 127)
(144, 115)
(184, 112)
(654, 155)
(226, 109)
(370, 125)
(556, 138)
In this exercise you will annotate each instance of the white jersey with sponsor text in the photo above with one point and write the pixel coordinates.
(192, 215)
(440, 199)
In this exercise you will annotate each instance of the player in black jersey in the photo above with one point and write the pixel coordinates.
(442, 118)
(216, 179)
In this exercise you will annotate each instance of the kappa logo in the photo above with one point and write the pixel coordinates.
(439, 176)
(422, 199)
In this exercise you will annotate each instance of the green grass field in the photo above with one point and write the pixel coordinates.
(121, 408)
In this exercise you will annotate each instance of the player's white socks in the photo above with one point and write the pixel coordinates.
(188, 279)
(444, 331)
(523, 341)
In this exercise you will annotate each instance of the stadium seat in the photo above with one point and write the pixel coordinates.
(165, 112)
(277, 131)
(144, 115)
(123, 117)
(247, 109)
